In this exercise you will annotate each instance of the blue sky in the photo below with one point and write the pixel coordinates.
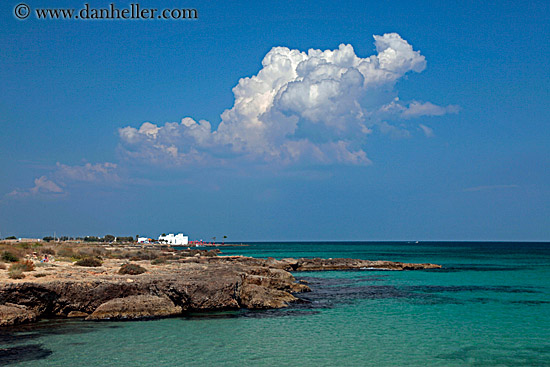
(438, 129)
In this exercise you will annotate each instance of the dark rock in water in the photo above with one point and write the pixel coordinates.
(30, 352)
(348, 264)
(318, 264)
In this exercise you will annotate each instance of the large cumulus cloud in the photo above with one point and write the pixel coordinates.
(315, 106)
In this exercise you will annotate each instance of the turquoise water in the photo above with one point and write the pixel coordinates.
(489, 306)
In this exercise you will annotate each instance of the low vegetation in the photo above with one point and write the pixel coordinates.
(21, 257)
(9, 257)
(16, 274)
(158, 261)
(17, 269)
(131, 269)
(66, 252)
(47, 251)
(25, 265)
(89, 261)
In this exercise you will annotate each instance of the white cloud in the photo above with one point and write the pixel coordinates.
(426, 130)
(490, 187)
(55, 183)
(315, 106)
(417, 109)
(395, 132)
(87, 172)
(42, 185)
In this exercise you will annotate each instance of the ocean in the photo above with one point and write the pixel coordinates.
(488, 306)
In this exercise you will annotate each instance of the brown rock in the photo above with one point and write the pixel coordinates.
(77, 314)
(135, 307)
(189, 284)
(349, 264)
(11, 314)
(257, 297)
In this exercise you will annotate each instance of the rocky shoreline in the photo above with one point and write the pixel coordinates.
(198, 283)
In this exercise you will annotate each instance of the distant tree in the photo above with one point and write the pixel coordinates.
(137, 236)
(124, 239)
(164, 234)
(11, 238)
(47, 238)
(224, 238)
(64, 238)
(109, 238)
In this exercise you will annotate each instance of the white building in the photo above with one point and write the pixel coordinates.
(178, 240)
(143, 240)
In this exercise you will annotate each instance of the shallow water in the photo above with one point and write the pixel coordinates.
(489, 306)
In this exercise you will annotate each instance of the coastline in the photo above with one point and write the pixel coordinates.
(184, 281)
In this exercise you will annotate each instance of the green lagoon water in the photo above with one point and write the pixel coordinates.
(489, 306)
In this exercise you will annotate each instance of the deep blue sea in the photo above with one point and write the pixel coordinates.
(488, 306)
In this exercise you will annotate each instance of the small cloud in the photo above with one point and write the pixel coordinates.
(56, 182)
(418, 109)
(393, 131)
(88, 172)
(42, 185)
(427, 131)
(490, 187)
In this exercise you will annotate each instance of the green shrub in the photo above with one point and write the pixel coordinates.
(98, 252)
(9, 257)
(25, 265)
(66, 252)
(158, 260)
(24, 245)
(115, 254)
(89, 261)
(150, 255)
(16, 274)
(47, 251)
(128, 254)
(131, 269)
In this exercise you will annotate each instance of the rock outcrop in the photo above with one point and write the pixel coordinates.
(316, 264)
(135, 307)
(11, 314)
(195, 283)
